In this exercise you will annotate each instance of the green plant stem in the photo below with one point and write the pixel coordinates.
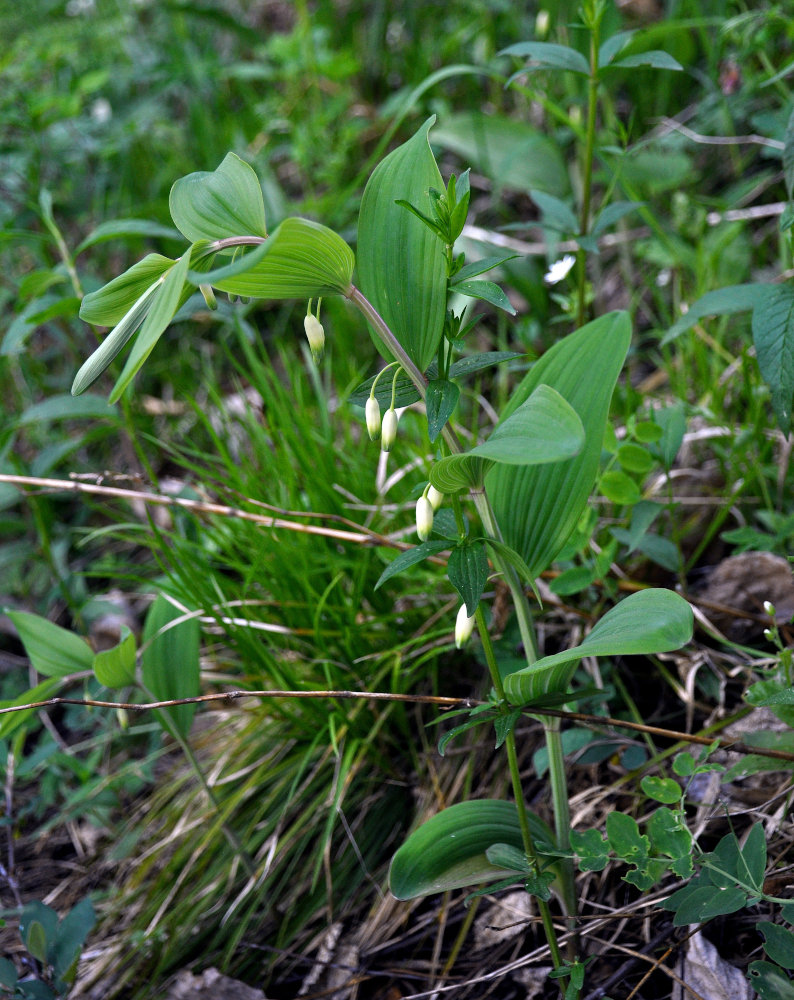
(481, 502)
(562, 822)
(587, 174)
(518, 793)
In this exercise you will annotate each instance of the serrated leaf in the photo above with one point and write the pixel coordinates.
(773, 334)
(165, 302)
(170, 662)
(468, 572)
(115, 668)
(537, 508)
(302, 260)
(645, 623)
(547, 55)
(788, 156)
(448, 851)
(488, 292)
(401, 264)
(52, 650)
(216, 205)
(410, 558)
(440, 402)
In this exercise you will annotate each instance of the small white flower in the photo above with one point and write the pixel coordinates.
(101, 111)
(315, 335)
(769, 635)
(372, 413)
(388, 431)
(424, 518)
(769, 607)
(464, 627)
(435, 498)
(559, 269)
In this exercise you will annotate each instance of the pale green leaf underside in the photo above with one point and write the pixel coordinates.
(545, 428)
(219, 204)
(538, 506)
(648, 622)
(109, 304)
(302, 260)
(401, 265)
(448, 851)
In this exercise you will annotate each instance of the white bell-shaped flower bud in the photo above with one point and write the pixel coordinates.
(435, 498)
(388, 431)
(372, 413)
(424, 518)
(464, 627)
(769, 607)
(315, 335)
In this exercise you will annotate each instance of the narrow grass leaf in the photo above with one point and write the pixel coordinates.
(656, 59)
(722, 302)
(64, 406)
(401, 263)
(116, 229)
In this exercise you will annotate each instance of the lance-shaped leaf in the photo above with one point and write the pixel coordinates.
(167, 299)
(544, 428)
(401, 264)
(449, 850)
(52, 650)
(537, 507)
(648, 622)
(773, 333)
(301, 260)
(218, 204)
(547, 55)
(170, 662)
(109, 304)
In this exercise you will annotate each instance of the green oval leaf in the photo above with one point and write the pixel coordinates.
(401, 263)
(661, 789)
(301, 260)
(115, 668)
(410, 558)
(449, 850)
(619, 488)
(651, 621)
(53, 651)
(219, 204)
(538, 507)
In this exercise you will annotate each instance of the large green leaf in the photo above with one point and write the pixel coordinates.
(544, 428)
(213, 206)
(303, 260)
(170, 662)
(401, 264)
(537, 507)
(773, 333)
(108, 305)
(449, 850)
(648, 622)
(53, 651)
